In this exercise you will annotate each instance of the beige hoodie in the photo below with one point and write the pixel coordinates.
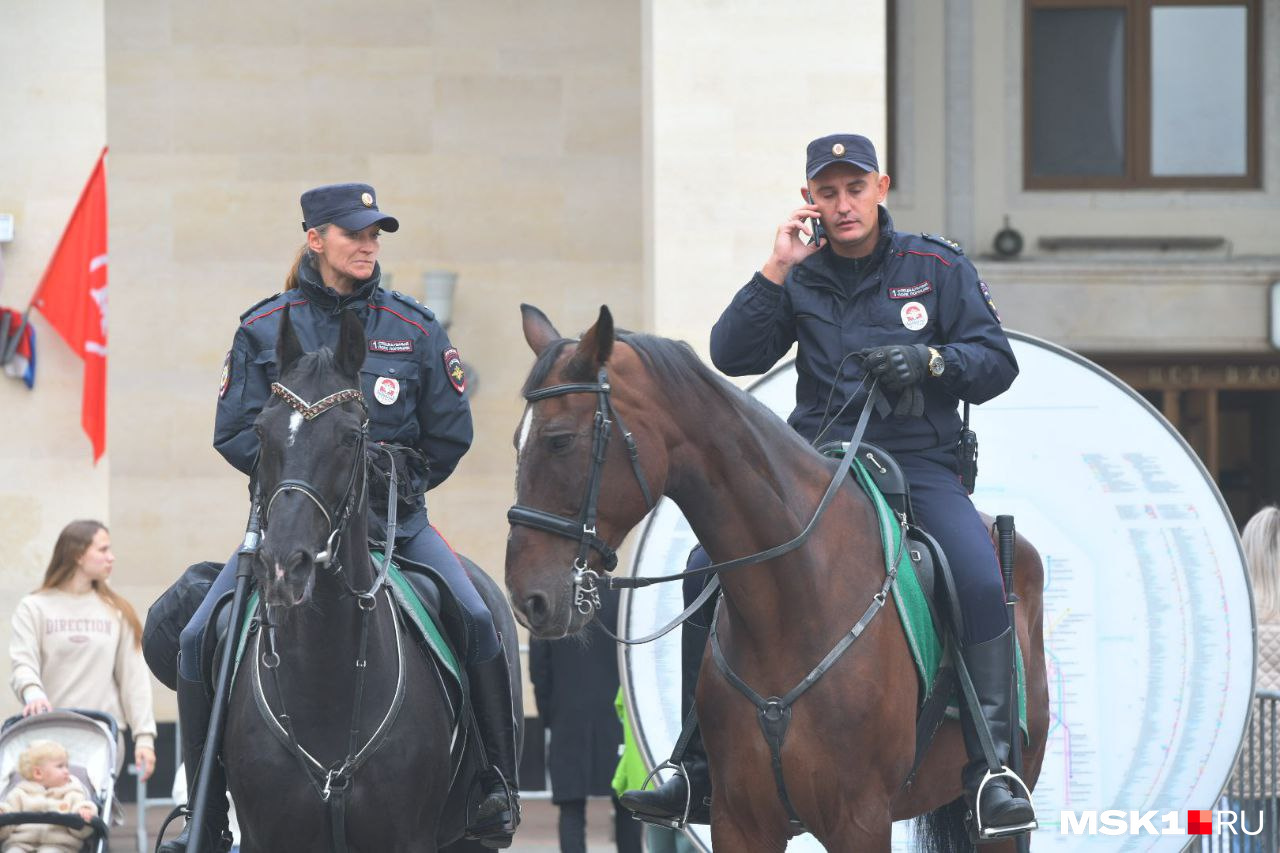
(78, 651)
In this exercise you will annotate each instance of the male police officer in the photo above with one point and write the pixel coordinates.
(911, 311)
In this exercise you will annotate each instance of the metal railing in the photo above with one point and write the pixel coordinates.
(1252, 797)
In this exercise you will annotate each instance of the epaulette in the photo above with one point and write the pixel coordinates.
(943, 241)
(414, 304)
(258, 305)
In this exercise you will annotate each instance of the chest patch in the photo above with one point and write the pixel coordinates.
(911, 291)
(390, 346)
(386, 390)
(914, 316)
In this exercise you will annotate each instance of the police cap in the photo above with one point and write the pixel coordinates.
(841, 148)
(350, 206)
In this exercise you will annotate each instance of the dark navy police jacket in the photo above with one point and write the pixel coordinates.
(950, 310)
(406, 343)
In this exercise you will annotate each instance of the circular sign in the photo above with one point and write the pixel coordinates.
(1148, 622)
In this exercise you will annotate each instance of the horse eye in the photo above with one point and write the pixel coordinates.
(560, 443)
(350, 439)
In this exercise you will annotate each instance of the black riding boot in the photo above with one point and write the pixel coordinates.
(194, 709)
(1004, 809)
(668, 801)
(498, 814)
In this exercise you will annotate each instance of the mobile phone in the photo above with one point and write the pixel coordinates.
(814, 223)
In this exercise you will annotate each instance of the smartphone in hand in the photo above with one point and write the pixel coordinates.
(816, 224)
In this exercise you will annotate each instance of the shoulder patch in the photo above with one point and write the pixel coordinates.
(454, 370)
(255, 306)
(991, 303)
(414, 304)
(943, 241)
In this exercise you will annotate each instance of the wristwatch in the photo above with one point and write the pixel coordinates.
(936, 364)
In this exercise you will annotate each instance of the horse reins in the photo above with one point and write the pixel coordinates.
(586, 595)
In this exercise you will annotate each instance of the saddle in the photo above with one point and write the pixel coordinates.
(933, 585)
(927, 558)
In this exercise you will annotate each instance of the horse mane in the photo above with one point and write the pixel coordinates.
(678, 372)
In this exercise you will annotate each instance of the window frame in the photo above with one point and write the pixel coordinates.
(1137, 93)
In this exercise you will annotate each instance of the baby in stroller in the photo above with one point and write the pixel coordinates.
(57, 780)
(47, 786)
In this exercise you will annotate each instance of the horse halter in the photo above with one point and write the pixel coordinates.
(586, 595)
(336, 520)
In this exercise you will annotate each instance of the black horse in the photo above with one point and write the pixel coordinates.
(341, 734)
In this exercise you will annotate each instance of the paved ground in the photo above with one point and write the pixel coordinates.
(537, 833)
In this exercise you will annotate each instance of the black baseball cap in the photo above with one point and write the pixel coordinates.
(841, 148)
(350, 206)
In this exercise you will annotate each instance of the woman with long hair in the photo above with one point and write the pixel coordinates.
(76, 642)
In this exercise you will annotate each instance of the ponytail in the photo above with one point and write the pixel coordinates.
(303, 257)
(291, 280)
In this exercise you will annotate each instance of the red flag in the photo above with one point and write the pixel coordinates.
(73, 298)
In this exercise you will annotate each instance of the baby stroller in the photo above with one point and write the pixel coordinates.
(91, 740)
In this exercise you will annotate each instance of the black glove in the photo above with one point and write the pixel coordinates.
(897, 365)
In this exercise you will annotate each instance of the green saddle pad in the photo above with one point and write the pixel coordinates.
(927, 649)
(424, 625)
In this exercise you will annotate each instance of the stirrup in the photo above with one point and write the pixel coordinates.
(670, 823)
(981, 834)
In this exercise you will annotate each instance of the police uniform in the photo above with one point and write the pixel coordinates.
(910, 290)
(913, 298)
(414, 387)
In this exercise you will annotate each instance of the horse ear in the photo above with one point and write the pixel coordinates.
(595, 347)
(351, 345)
(538, 330)
(288, 347)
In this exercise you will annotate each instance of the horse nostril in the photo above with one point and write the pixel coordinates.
(535, 607)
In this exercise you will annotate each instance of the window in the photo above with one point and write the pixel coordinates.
(1142, 94)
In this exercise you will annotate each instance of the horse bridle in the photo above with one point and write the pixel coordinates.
(337, 521)
(586, 594)
(334, 783)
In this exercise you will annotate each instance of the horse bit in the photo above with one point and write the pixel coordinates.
(586, 594)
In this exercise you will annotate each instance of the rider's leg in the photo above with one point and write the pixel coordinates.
(667, 801)
(498, 813)
(195, 706)
(944, 510)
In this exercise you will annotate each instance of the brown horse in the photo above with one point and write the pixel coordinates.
(746, 482)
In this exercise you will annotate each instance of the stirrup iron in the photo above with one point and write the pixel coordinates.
(682, 821)
(981, 833)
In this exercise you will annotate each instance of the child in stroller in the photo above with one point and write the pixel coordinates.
(47, 803)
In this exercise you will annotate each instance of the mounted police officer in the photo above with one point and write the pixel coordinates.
(910, 311)
(415, 384)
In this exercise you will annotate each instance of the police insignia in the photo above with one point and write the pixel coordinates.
(991, 305)
(943, 241)
(911, 291)
(390, 346)
(226, 376)
(453, 369)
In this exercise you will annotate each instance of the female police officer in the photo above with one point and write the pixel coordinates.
(414, 382)
(913, 312)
